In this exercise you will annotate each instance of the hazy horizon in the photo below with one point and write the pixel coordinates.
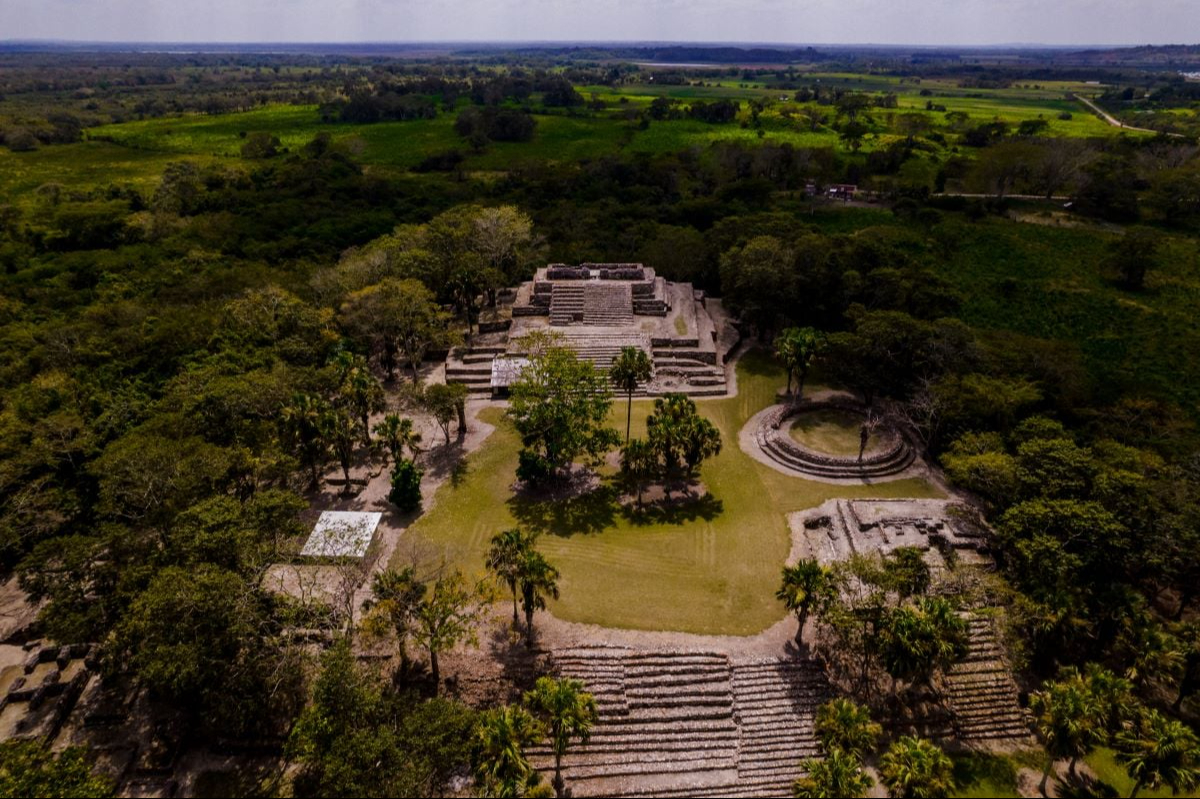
(918, 23)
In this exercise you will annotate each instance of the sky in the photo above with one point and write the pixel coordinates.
(934, 22)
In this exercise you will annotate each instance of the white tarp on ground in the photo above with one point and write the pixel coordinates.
(341, 534)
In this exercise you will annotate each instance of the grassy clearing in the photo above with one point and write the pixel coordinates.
(833, 432)
(1115, 780)
(710, 567)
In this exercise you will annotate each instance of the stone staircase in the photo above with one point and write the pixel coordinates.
(775, 702)
(472, 366)
(607, 304)
(689, 723)
(567, 303)
(981, 693)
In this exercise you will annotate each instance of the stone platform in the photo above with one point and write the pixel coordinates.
(596, 309)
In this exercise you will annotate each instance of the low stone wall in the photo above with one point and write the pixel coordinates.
(775, 442)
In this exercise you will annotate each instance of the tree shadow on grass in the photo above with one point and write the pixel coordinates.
(587, 513)
(706, 507)
(1084, 785)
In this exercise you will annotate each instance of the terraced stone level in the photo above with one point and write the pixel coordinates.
(690, 723)
(981, 693)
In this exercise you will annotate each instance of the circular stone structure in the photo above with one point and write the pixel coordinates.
(888, 453)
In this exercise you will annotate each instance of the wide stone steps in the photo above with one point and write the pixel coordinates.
(981, 693)
(690, 723)
(901, 460)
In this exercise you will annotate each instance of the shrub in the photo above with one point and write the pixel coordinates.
(406, 486)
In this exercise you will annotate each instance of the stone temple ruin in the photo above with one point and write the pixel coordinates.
(596, 310)
(982, 705)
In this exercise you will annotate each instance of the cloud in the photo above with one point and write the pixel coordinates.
(794, 21)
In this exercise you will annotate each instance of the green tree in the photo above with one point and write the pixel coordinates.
(396, 435)
(631, 369)
(1133, 255)
(358, 390)
(839, 775)
(1159, 751)
(845, 726)
(445, 402)
(506, 557)
(915, 768)
(501, 766)
(446, 618)
(305, 423)
(804, 587)
(1068, 720)
(797, 348)
(397, 317)
(560, 406)
(342, 431)
(537, 580)
(397, 598)
(356, 737)
(680, 435)
(30, 768)
(918, 639)
(639, 465)
(405, 493)
(566, 712)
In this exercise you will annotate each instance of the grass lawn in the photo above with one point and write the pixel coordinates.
(982, 775)
(830, 431)
(1104, 763)
(708, 568)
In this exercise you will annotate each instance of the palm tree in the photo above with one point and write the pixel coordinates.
(342, 431)
(1160, 751)
(396, 434)
(843, 725)
(305, 423)
(918, 639)
(500, 740)
(538, 580)
(630, 369)
(839, 774)
(505, 558)
(359, 391)
(796, 347)
(639, 465)
(803, 588)
(397, 598)
(566, 713)
(1068, 719)
(915, 768)
(1114, 697)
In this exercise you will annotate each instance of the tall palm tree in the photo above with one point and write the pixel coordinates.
(538, 580)
(505, 558)
(1160, 751)
(915, 768)
(841, 724)
(566, 712)
(803, 587)
(305, 424)
(1069, 720)
(359, 391)
(797, 347)
(630, 369)
(501, 766)
(839, 774)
